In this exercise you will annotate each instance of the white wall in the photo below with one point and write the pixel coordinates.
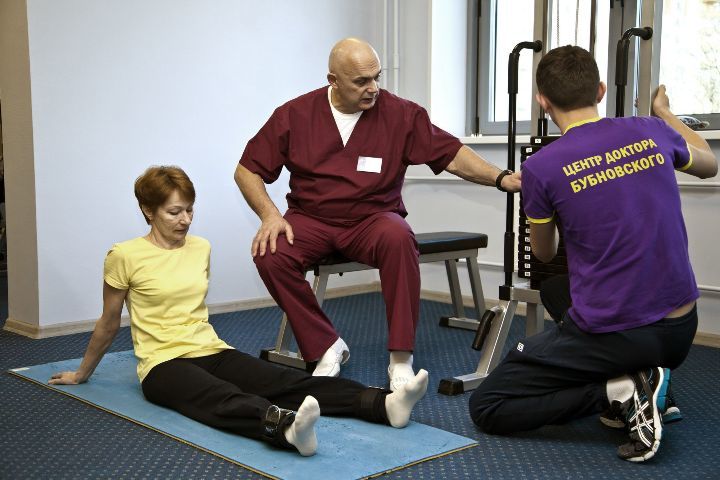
(118, 86)
(700, 208)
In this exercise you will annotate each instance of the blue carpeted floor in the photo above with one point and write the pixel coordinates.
(47, 435)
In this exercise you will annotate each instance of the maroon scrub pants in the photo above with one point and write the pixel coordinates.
(383, 240)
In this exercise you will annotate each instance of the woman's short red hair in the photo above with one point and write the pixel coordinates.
(156, 184)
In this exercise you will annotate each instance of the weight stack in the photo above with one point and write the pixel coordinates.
(528, 266)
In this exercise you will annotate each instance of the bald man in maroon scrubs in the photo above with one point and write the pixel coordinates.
(347, 146)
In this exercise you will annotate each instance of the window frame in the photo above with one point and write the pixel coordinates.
(712, 118)
(484, 45)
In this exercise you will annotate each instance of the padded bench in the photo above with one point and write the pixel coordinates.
(448, 247)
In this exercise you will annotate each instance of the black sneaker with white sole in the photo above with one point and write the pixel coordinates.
(616, 415)
(644, 419)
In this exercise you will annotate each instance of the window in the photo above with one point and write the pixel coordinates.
(690, 58)
(504, 24)
(500, 29)
(571, 25)
(686, 35)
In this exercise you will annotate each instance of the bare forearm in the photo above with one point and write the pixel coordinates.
(686, 132)
(100, 341)
(106, 328)
(544, 251)
(472, 167)
(543, 240)
(253, 189)
(704, 162)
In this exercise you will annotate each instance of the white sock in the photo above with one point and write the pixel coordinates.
(399, 356)
(301, 434)
(329, 363)
(400, 369)
(620, 389)
(399, 404)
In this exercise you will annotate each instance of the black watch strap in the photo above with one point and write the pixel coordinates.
(498, 180)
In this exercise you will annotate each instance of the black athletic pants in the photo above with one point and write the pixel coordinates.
(561, 373)
(232, 390)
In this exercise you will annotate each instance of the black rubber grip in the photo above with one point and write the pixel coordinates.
(483, 329)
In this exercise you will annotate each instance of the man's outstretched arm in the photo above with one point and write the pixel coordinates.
(704, 163)
(472, 167)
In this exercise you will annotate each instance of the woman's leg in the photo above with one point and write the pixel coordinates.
(185, 385)
(288, 388)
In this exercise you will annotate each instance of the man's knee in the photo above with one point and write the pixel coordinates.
(397, 234)
(480, 411)
(272, 263)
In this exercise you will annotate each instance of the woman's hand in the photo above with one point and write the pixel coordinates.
(66, 378)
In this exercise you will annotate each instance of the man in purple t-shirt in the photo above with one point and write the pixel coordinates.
(626, 311)
(347, 147)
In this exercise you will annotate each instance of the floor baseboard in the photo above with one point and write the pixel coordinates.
(701, 338)
(34, 331)
(707, 339)
(37, 332)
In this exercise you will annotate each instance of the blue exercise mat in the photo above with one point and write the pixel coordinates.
(347, 448)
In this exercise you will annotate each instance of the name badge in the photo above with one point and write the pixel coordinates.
(369, 164)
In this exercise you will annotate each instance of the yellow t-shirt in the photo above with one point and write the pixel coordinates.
(166, 299)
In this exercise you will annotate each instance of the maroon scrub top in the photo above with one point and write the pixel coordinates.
(325, 181)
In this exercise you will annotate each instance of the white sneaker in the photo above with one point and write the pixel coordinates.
(329, 363)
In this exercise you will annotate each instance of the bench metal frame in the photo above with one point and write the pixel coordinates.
(492, 348)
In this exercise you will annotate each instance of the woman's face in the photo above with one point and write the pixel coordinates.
(172, 219)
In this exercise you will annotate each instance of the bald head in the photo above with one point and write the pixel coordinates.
(349, 51)
(354, 70)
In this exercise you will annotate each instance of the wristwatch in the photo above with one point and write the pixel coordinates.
(498, 180)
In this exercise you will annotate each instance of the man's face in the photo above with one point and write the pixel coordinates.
(355, 86)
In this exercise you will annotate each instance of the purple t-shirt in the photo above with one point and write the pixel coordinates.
(327, 179)
(611, 185)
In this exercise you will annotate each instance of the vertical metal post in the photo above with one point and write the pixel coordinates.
(540, 31)
(593, 27)
(649, 63)
(618, 22)
(509, 245)
(472, 115)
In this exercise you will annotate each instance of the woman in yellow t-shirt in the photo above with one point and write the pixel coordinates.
(182, 363)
